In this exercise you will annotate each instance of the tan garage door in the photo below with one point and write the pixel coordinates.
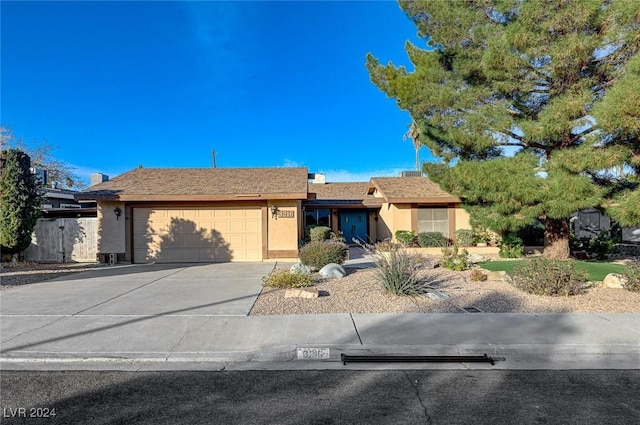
(193, 235)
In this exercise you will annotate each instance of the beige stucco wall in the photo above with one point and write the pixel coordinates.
(393, 217)
(462, 219)
(111, 231)
(401, 218)
(282, 232)
(385, 222)
(373, 227)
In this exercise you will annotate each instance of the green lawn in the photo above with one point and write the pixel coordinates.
(596, 270)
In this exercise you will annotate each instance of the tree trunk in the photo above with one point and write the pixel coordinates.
(556, 238)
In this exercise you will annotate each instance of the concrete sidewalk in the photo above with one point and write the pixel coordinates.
(196, 316)
(519, 341)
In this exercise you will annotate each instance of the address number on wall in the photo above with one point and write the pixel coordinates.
(286, 214)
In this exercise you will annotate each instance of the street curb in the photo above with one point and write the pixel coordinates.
(515, 356)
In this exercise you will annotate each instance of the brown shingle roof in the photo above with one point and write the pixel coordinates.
(339, 191)
(411, 189)
(341, 195)
(169, 184)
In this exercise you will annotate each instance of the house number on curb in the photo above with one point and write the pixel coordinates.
(313, 353)
(286, 214)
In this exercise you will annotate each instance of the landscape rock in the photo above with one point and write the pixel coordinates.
(437, 295)
(475, 258)
(301, 293)
(300, 268)
(614, 280)
(333, 271)
(497, 276)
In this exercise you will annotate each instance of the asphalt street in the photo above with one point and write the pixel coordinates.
(322, 397)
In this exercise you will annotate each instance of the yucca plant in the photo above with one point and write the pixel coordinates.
(397, 272)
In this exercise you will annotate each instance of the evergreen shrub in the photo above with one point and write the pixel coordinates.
(511, 247)
(432, 239)
(317, 254)
(319, 233)
(464, 237)
(406, 237)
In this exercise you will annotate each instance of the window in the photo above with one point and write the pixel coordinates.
(317, 217)
(434, 220)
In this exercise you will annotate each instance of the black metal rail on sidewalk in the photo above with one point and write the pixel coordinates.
(416, 359)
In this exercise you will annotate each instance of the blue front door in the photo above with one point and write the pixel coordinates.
(354, 225)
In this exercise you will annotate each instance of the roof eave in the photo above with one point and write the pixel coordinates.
(224, 197)
(436, 200)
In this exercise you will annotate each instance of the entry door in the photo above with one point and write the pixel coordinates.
(354, 225)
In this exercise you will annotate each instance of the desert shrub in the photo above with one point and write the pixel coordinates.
(511, 247)
(542, 276)
(478, 275)
(487, 236)
(602, 245)
(454, 259)
(397, 272)
(317, 254)
(598, 247)
(283, 278)
(464, 237)
(632, 275)
(386, 246)
(337, 237)
(432, 239)
(319, 233)
(406, 237)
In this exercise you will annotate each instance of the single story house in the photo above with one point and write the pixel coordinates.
(255, 214)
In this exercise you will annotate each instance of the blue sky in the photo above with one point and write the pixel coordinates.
(113, 85)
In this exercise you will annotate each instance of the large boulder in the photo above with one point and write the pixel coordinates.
(614, 280)
(300, 268)
(333, 271)
(475, 258)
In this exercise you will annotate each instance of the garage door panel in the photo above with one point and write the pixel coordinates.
(197, 235)
(237, 226)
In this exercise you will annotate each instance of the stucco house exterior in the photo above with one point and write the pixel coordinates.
(255, 214)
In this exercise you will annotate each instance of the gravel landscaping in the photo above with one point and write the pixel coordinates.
(25, 273)
(359, 293)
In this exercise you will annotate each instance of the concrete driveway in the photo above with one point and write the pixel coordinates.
(228, 289)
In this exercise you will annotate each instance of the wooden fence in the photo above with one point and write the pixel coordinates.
(64, 240)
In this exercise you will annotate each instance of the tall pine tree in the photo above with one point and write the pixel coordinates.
(532, 106)
(20, 201)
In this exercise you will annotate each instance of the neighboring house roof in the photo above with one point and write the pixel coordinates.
(202, 184)
(410, 190)
(341, 194)
(59, 193)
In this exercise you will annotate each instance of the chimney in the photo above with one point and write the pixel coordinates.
(97, 178)
(317, 178)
